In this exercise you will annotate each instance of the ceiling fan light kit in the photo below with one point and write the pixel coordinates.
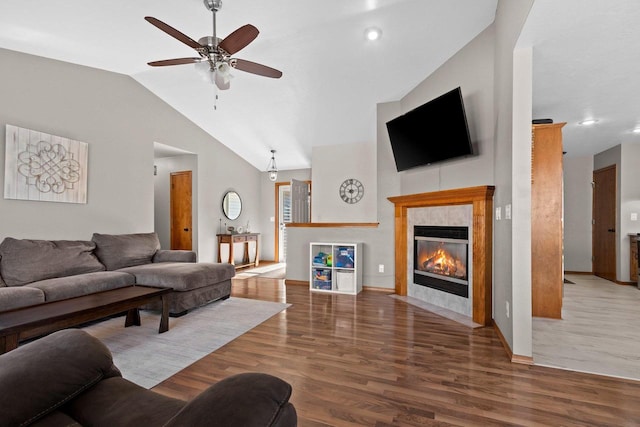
(215, 53)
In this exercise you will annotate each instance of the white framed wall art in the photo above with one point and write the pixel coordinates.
(44, 167)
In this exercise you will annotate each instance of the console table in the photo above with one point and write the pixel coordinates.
(633, 265)
(245, 239)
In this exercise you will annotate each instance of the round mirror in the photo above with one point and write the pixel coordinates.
(231, 205)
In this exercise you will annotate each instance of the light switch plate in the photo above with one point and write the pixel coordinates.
(507, 211)
(498, 213)
(634, 216)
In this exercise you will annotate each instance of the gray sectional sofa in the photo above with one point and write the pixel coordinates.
(37, 271)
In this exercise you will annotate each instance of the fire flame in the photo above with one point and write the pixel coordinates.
(442, 262)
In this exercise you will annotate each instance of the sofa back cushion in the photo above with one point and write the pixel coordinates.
(25, 261)
(117, 251)
(43, 375)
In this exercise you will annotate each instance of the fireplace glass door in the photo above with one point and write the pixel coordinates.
(441, 258)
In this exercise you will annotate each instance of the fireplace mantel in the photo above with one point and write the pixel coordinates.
(482, 200)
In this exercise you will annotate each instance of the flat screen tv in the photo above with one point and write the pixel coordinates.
(433, 132)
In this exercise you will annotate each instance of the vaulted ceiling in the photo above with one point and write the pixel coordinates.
(333, 77)
(585, 62)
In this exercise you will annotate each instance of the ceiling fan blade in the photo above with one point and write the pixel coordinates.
(255, 68)
(177, 61)
(239, 39)
(174, 33)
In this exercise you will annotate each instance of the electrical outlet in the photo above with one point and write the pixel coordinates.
(272, 219)
(380, 268)
(507, 306)
(634, 216)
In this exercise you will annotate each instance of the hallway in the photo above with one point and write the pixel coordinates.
(599, 331)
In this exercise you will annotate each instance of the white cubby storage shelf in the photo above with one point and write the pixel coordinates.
(335, 267)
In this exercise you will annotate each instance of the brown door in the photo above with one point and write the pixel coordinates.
(604, 223)
(181, 233)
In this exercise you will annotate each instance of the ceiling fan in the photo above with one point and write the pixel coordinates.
(215, 53)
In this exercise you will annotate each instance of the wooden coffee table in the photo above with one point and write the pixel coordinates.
(28, 322)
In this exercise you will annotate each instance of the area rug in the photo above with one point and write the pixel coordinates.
(148, 358)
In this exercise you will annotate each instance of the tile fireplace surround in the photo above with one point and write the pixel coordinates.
(480, 200)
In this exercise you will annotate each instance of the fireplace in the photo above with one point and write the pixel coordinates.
(480, 247)
(440, 258)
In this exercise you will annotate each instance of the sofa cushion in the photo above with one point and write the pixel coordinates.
(56, 419)
(117, 251)
(174, 255)
(39, 377)
(118, 402)
(24, 261)
(181, 276)
(19, 296)
(83, 284)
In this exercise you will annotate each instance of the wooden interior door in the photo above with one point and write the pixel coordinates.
(604, 223)
(300, 200)
(181, 199)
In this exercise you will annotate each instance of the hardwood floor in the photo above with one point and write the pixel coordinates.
(374, 360)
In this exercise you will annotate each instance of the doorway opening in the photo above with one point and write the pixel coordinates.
(293, 204)
(175, 211)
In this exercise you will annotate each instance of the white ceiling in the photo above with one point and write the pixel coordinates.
(333, 77)
(585, 65)
(585, 62)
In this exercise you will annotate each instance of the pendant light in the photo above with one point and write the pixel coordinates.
(272, 169)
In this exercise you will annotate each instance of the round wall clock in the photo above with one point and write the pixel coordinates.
(351, 191)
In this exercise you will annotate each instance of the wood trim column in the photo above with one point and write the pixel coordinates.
(481, 198)
(401, 249)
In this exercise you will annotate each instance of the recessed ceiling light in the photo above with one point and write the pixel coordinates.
(587, 122)
(373, 33)
(636, 130)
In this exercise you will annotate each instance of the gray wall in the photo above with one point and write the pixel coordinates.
(512, 249)
(578, 207)
(471, 69)
(332, 164)
(629, 203)
(120, 120)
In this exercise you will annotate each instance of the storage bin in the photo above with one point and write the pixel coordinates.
(345, 281)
